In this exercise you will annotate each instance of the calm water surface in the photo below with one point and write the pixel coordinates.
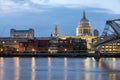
(59, 69)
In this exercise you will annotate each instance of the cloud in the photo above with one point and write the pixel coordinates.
(7, 6)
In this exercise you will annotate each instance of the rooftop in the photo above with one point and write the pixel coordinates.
(21, 30)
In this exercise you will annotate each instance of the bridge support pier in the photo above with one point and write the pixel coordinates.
(97, 55)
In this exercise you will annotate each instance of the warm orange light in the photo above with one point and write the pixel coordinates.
(17, 49)
(65, 49)
(33, 50)
(1, 49)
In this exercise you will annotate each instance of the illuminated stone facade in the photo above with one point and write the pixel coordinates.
(84, 30)
(84, 27)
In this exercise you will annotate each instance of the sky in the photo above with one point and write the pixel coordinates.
(43, 15)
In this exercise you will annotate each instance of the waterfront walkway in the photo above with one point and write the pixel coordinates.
(58, 55)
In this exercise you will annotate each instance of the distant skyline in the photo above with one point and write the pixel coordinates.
(42, 15)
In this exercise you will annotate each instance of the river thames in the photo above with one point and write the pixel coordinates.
(59, 68)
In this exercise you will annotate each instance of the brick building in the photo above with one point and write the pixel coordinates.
(72, 45)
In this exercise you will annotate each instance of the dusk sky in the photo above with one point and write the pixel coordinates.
(42, 15)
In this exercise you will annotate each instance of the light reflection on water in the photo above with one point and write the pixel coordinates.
(33, 67)
(49, 68)
(65, 69)
(59, 68)
(1, 68)
(16, 61)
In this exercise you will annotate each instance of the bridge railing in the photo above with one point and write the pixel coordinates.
(104, 39)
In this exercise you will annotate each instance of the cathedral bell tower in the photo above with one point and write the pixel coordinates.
(55, 34)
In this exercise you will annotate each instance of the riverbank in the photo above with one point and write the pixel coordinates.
(47, 55)
(58, 55)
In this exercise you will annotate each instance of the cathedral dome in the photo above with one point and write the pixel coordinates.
(84, 22)
(84, 27)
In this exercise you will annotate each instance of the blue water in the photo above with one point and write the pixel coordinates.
(59, 69)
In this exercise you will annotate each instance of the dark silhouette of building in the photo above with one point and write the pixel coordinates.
(96, 32)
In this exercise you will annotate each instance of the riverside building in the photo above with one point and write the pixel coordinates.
(55, 43)
(22, 33)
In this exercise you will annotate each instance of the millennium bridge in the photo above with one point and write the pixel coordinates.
(111, 33)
